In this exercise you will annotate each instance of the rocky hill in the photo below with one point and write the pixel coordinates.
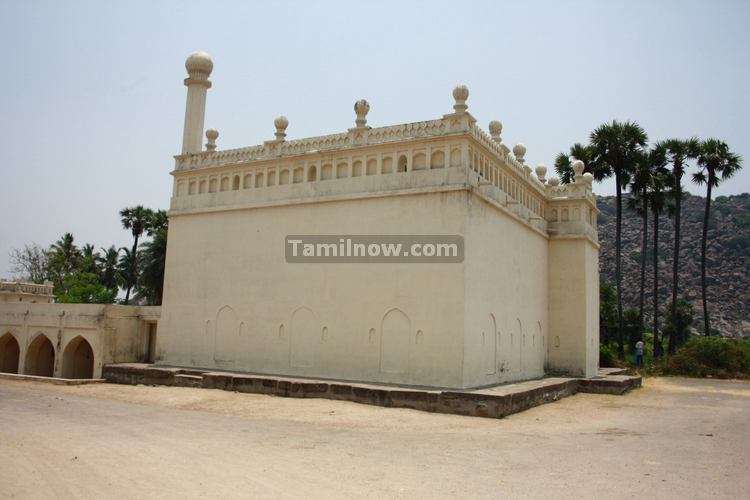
(728, 262)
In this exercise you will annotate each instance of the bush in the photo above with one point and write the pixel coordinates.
(608, 355)
(710, 357)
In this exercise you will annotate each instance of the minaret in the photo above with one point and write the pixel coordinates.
(199, 67)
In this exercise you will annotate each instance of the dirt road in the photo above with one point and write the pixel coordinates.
(674, 438)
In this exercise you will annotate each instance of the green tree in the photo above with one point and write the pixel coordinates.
(153, 255)
(680, 329)
(616, 149)
(138, 219)
(89, 260)
(84, 288)
(564, 164)
(109, 274)
(64, 260)
(126, 269)
(632, 322)
(641, 184)
(678, 153)
(607, 310)
(159, 221)
(717, 163)
(659, 199)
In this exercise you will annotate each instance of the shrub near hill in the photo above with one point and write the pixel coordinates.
(710, 357)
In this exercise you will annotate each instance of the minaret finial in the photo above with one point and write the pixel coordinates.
(281, 123)
(211, 134)
(199, 67)
(496, 128)
(361, 108)
(460, 94)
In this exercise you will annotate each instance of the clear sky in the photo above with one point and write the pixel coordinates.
(92, 100)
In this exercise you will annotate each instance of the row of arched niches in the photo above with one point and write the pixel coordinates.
(39, 357)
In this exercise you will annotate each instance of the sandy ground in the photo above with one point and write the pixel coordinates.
(675, 438)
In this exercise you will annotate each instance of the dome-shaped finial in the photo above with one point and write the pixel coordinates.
(281, 123)
(361, 108)
(541, 171)
(460, 94)
(553, 181)
(496, 128)
(578, 167)
(588, 178)
(211, 134)
(199, 64)
(519, 150)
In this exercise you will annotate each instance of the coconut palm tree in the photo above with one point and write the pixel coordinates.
(717, 163)
(64, 259)
(616, 149)
(678, 153)
(89, 259)
(67, 250)
(109, 273)
(138, 219)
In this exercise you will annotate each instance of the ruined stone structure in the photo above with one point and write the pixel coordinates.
(524, 299)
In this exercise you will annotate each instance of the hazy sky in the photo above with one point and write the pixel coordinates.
(92, 100)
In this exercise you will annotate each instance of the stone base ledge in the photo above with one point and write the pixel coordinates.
(611, 384)
(52, 380)
(491, 402)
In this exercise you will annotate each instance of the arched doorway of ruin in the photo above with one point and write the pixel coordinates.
(40, 358)
(78, 359)
(9, 353)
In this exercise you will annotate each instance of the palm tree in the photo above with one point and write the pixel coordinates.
(159, 221)
(67, 250)
(716, 164)
(126, 268)
(658, 201)
(63, 261)
(153, 256)
(641, 184)
(616, 149)
(89, 259)
(138, 219)
(678, 153)
(109, 274)
(564, 164)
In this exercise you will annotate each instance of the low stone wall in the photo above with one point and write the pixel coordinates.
(611, 384)
(52, 380)
(478, 403)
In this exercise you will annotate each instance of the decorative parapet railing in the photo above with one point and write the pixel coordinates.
(275, 149)
(451, 141)
(30, 288)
